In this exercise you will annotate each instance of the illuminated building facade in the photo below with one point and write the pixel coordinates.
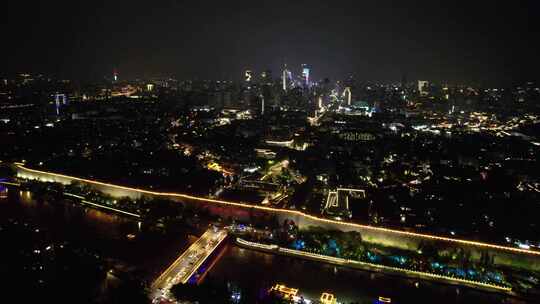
(305, 74)
(248, 76)
(423, 87)
(285, 77)
(347, 94)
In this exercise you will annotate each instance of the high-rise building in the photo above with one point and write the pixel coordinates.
(305, 74)
(286, 75)
(60, 99)
(347, 94)
(423, 87)
(248, 76)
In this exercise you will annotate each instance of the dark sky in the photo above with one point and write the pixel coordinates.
(486, 42)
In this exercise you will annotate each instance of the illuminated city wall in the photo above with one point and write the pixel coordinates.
(388, 238)
(392, 238)
(66, 180)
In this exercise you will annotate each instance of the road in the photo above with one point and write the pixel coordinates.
(186, 265)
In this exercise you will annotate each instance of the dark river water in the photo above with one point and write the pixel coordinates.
(152, 251)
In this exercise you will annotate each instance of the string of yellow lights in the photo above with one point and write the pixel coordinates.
(287, 211)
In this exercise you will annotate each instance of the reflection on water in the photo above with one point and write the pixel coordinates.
(3, 192)
(259, 270)
(120, 239)
(152, 252)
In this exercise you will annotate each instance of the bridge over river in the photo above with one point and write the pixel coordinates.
(185, 268)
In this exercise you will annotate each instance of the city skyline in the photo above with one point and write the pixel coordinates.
(481, 43)
(271, 152)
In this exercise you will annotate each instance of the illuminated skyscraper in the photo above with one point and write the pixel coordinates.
(60, 99)
(286, 75)
(422, 87)
(248, 76)
(305, 74)
(347, 95)
(115, 75)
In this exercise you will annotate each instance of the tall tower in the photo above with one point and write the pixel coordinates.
(248, 75)
(115, 75)
(262, 105)
(423, 86)
(284, 77)
(305, 74)
(347, 94)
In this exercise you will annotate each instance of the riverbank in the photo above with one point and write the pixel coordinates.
(152, 251)
(504, 256)
(275, 249)
(300, 217)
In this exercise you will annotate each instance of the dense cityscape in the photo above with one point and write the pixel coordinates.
(278, 184)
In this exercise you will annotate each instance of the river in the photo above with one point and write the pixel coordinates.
(151, 251)
(258, 269)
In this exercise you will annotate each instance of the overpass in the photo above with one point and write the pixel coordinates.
(184, 269)
(504, 255)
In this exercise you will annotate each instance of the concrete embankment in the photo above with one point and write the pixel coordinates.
(505, 256)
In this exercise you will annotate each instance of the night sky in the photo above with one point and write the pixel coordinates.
(480, 42)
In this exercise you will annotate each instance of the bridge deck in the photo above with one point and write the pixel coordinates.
(187, 264)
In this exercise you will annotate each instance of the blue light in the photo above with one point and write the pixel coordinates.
(399, 259)
(299, 244)
(459, 272)
(373, 257)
